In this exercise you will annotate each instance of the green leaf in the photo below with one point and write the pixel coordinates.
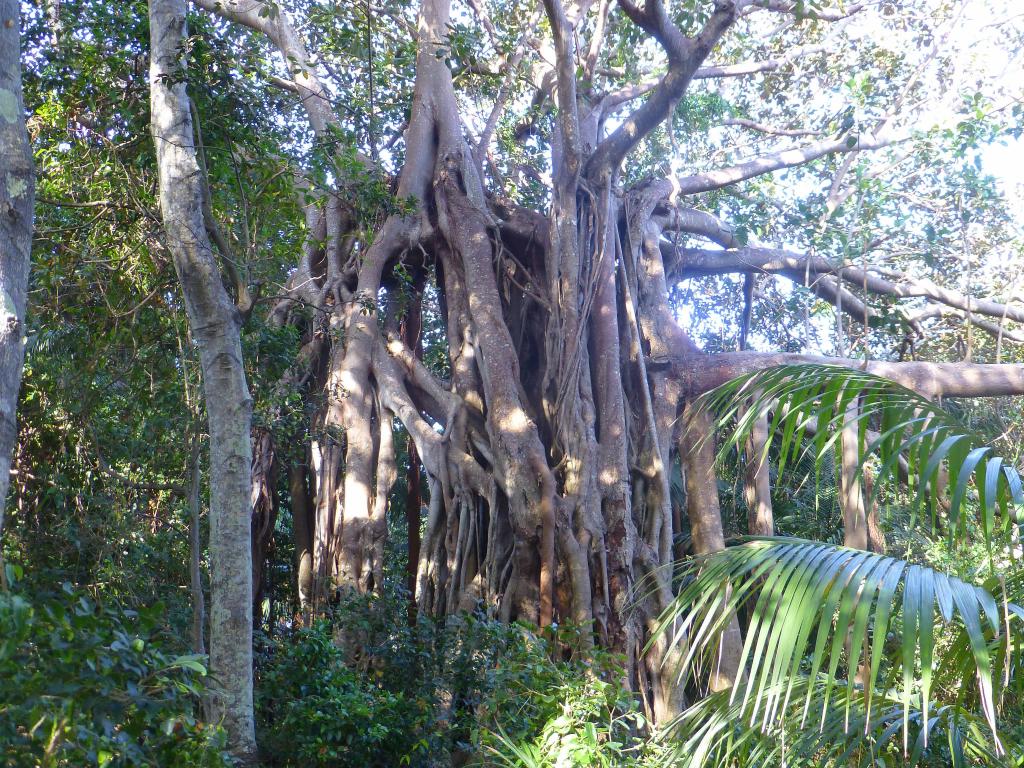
(851, 601)
(192, 661)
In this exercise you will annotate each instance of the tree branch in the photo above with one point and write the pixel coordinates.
(685, 55)
(787, 6)
(715, 71)
(769, 129)
(696, 262)
(993, 329)
(272, 22)
(787, 158)
(701, 372)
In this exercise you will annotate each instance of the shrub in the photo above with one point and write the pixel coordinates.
(368, 689)
(86, 684)
(313, 710)
(569, 715)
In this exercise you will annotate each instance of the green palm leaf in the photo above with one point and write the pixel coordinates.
(825, 613)
(910, 427)
(714, 732)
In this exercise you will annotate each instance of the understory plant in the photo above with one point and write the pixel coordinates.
(852, 657)
(82, 683)
(367, 688)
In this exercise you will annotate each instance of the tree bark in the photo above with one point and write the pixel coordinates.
(302, 526)
(705, 372)
(851, 492)
(702, 506)
(17, 197)
(215, 325)
(263, 504)
(757, 489)
(195, 550)
(876, 535)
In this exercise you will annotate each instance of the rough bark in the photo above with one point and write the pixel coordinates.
(17, 196)
(215, 327)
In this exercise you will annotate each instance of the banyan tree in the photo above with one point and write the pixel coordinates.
(534, 234)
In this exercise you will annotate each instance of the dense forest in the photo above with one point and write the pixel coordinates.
(509, 383)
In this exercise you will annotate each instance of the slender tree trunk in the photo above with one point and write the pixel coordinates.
(851, 493)
(876, 536)
(52, 8)
(757, 490)
(698, 451)
(195, 550)
(412, 337)
(215, 324)
(17, 195)
(413, 504)
(263, 504)
(302, 526)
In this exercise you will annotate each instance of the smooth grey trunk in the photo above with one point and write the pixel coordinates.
(215, 325)
(195, 551)
(17, 194)
(301, 522)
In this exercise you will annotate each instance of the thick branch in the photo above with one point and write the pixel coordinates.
(694, 262)
(705, 372)
(775, 161)
(685, 55)
(685, 263)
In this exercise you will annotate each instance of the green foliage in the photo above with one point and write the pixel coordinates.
(313, 710)
(714, 732)
(850, 657)
(596, 724)
(369, 689)
(910, 428)
(86, 684)
(833, 608)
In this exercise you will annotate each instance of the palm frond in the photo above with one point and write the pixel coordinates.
(819, 400)
(826, 612)
(715, 732)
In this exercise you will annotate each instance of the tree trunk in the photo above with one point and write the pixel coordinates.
(17, 196)
(705, 515)
(757, 489)
(549, 440)
(851, 492)
(302, 526)
(876, 536)
(195, 551)
(263, 503)
(215, 325)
